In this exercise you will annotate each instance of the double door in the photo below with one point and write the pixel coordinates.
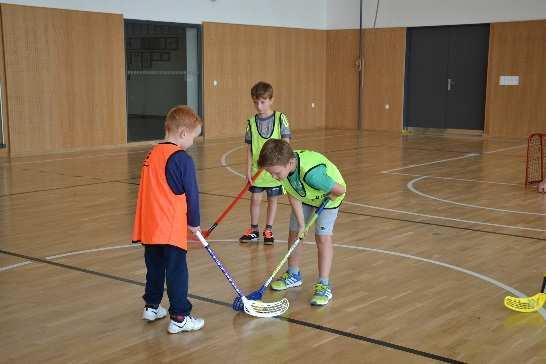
(446, 70)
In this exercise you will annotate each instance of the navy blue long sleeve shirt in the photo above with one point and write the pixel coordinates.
(180, 174)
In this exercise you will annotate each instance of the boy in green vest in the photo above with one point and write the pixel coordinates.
(308, 177)
(265, 125)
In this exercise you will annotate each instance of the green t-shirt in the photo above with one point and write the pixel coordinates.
(316, 178)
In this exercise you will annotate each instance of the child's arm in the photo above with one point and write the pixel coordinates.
(249, 164)
(285, 128)
(297, 209)
(337, 190)
(180, 173)
(319, 179)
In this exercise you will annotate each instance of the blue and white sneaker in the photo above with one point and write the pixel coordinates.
(322, 294)
(287, 280)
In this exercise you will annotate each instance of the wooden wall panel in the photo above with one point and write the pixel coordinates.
(4, 152)
(237, 56)
(384, 71)
(342, 79)
(517, 49)
(65, 78)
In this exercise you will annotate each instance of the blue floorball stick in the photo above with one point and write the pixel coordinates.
(251, 307)
(238, 302)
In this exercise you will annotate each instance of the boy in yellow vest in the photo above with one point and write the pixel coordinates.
(308, 177)
(265, 125)
(167, 207)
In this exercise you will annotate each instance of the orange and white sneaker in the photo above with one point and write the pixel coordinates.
(268, 237)
(250, 236)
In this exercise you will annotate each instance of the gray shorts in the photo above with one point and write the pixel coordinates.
(270, 191)
(325, 221)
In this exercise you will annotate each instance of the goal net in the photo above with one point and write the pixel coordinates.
(534, 167)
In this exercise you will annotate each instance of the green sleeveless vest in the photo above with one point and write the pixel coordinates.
(307, 160)
(265, 179)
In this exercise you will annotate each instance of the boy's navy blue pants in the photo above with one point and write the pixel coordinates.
(167, 262)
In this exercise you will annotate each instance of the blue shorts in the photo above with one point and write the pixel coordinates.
(271, 191)
(325, 221)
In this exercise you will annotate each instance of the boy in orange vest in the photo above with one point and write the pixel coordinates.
(167, 206)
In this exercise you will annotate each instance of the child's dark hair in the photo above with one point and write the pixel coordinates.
(275, 152)
(262, 90)
(181, 116)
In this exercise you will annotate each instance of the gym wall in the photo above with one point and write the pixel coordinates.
(65, 79)
(516, 49)
(4, 121)
(61, 96)
(237, 56)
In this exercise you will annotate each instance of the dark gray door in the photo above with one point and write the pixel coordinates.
(446, 70)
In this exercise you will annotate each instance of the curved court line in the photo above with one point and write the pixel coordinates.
(483, 277)
(223, 161)
(412, 188)
(224, 158)
(458, 179)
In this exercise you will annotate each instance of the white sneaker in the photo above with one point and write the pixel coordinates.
(152, 314)
(190, 323)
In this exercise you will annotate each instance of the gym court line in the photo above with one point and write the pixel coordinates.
(311, 325)
(485, 278)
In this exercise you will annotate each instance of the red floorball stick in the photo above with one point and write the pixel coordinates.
(228, 209)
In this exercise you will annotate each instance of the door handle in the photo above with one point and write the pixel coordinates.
(450, 82)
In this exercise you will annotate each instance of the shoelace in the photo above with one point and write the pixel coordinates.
(320, 289)
(249, 231)
(268, 233)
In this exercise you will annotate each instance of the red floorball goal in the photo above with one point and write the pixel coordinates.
(534, 167)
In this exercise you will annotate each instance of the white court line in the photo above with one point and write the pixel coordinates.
(452, 159)
(224, 163)
(433, 162)
(70, 254)
(411, 187)
(483, 277)
(457, 179)
(8, 267)
(91, 251)
(15, 163)
(503, 149)
(542, 312)
(444, 218)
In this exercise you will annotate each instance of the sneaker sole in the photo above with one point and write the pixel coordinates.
(319, 304)
(268, 242)
(313, 303)
(297, 284)
(154, 318)
(178, 329)
(249, 241)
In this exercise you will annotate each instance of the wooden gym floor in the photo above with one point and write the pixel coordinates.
(435, 231)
